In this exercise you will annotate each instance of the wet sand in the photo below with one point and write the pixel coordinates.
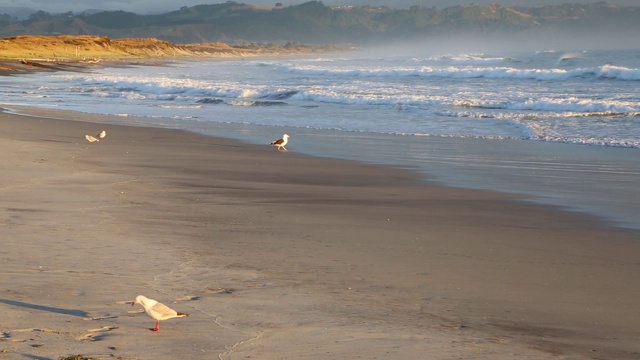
(278, 255)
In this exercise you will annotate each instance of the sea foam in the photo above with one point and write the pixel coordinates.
(457, 72)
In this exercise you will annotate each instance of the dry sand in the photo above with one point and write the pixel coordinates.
(277, 255)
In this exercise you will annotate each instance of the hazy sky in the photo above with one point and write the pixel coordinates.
(146, 6)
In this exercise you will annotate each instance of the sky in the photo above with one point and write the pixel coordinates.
(158, 6)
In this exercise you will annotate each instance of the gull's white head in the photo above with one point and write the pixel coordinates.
(142, 300)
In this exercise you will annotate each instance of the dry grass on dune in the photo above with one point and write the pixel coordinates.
(78, 47)
(28, 53)
(83, 47)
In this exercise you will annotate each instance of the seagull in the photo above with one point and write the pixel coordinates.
(92, 139)
(280, 143)
(157, 311)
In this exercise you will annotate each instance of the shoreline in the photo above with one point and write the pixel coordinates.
(447, 165)
(280, 253)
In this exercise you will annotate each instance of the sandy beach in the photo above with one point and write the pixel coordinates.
(276, 255)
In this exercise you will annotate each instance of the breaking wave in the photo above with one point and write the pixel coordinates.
(577, 98)
(467, 72)
(238, 94)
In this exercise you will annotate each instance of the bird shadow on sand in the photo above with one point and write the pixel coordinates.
(34, 357)
(56, 310)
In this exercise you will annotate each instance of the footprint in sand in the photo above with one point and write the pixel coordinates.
(187, 298)
(10, 335)
(96, 334)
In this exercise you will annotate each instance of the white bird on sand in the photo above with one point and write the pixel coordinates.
(157, 311)
(280, 143)
(92, 139)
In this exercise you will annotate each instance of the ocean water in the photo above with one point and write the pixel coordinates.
(562, 128)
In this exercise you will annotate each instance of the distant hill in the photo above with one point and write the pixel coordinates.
(315, 23)
(19, 13)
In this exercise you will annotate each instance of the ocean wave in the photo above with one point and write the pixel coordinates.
(256, 103)
(570, 105)
(359, 92)
(606, 142)
(180, 106)
(210, 101)
(595, 141)
(467, 72)
(480, 107)
(279, 94)
(468, 59)
(171, 89)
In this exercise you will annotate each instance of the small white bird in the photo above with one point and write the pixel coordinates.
(92, 139)
(157, 311)
(280, 143)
